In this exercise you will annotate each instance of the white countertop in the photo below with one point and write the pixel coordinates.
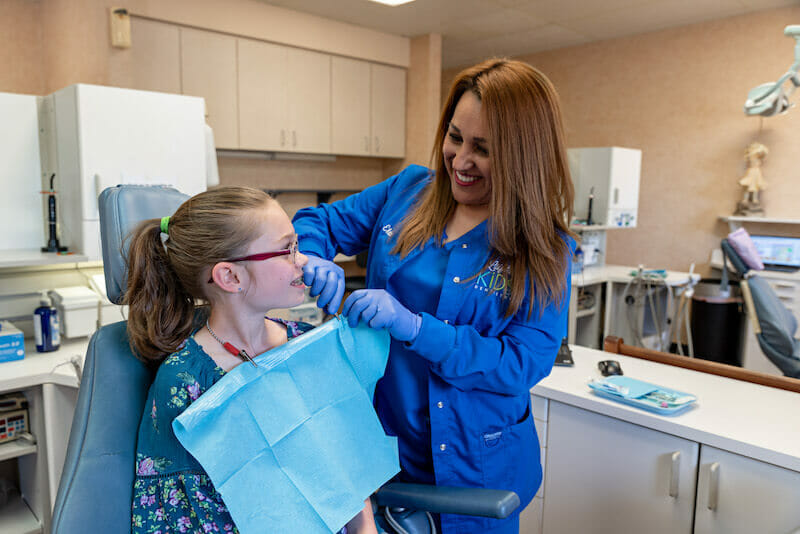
(622, 273)
(43, 367)
(744, 418)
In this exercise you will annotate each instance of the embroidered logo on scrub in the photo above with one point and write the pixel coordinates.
(495, 279)
(387, 229)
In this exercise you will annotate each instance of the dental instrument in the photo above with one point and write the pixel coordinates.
(770, 99)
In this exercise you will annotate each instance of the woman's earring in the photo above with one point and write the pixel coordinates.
(239, 289)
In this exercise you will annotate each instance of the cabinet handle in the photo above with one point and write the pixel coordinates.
(713, 486)
(283, 137)
(377, 144)
(366, 143)
(294, 138)
(675, 474)
(616, 195)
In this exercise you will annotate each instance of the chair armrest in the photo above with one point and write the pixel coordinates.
(498, 504)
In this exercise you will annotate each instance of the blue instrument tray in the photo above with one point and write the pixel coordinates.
(650, 397)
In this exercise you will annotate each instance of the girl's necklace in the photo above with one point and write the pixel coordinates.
(231, 348)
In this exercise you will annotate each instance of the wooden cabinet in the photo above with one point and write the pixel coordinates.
(736, 494)
(208, 69)
(368, 108)
(603, 474)
(270, 97)
(284, 98)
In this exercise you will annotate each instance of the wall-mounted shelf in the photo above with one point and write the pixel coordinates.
(735, 221)
(596, 227)
(32, 257)
(15, 449)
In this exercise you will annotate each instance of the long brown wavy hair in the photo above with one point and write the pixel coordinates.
(167, 282)
(532, 192)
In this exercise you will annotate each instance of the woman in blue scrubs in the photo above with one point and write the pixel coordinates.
(469, 271)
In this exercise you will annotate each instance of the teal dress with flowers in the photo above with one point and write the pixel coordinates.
(172, 492)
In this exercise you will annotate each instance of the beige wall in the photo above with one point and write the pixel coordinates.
(678, 95)
(21, 47)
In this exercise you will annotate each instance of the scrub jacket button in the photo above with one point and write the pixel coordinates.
(456, 279)
(446, 321)
(463, 245)
(440, 404)
(442, 447)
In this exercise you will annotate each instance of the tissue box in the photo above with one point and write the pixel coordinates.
(78, 309)
(12, 342)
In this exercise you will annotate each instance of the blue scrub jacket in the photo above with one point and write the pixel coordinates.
(482, 363)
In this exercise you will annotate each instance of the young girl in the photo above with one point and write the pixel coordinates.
(232, 249)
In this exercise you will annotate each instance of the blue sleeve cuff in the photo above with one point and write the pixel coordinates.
(436, 339)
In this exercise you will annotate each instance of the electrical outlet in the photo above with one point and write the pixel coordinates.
(120, 28)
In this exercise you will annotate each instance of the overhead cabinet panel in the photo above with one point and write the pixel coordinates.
(351, 107)
(388, 111)
(262, 96)
(308, 81)
(208, 69)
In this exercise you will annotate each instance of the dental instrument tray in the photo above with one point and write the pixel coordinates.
(650, 397)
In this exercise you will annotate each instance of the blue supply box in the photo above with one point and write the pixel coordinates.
(12, 342)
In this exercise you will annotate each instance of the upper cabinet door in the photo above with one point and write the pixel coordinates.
(153, 63)
(208, 69)
(263, 117)
(388, 111)
(350, 111)
(308, 82)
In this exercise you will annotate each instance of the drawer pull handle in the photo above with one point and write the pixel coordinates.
(713, 486)
(674, 474)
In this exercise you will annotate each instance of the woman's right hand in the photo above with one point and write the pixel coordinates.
(326, 279)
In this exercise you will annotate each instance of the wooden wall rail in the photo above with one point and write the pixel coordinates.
(617, 346)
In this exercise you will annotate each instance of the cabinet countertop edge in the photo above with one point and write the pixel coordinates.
(740, 417)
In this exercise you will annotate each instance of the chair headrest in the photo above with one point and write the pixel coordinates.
(122, 208)
(734, 257)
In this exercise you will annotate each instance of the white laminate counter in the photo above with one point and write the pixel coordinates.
(622, 273)
(39, 368)
(744, 418)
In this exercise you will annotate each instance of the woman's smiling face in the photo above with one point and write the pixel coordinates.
(466, 153)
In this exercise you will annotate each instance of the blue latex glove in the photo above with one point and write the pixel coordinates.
(326, 280)
(379, 309)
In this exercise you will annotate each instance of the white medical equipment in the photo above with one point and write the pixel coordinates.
(610, 177)
(646, 298)
(771, 99)
(95, 137)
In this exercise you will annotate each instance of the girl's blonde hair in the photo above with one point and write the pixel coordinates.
(532, 192)
(167, 281)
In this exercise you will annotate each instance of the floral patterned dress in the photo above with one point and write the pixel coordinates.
(172, 492)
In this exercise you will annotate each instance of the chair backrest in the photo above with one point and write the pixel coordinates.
(96, 487)
(777, 324)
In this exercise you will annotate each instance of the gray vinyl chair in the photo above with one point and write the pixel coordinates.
(96, 487)
(775, 326)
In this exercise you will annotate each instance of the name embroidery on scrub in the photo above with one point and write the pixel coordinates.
(387, 229)
(495, 279)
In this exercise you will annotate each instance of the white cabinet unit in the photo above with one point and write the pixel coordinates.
(284, 98)
(208, 70)
(368, 111)
(611, 175)
(739, 495)
(607, 475)
(21, 214)
(105, 136)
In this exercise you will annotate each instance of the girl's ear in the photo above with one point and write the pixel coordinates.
(226, 276)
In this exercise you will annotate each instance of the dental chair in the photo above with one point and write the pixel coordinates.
(96, 487)
(773, 324)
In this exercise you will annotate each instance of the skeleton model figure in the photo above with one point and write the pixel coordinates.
(753, 180)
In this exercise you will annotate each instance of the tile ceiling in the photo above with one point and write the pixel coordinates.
(474, 29)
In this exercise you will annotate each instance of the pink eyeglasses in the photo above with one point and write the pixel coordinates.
(292, 250)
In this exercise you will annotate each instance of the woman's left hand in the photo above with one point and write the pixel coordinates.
(379, 309)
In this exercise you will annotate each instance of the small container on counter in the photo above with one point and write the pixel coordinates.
(46, 326)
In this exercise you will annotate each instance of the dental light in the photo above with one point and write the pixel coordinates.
(771, 99)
